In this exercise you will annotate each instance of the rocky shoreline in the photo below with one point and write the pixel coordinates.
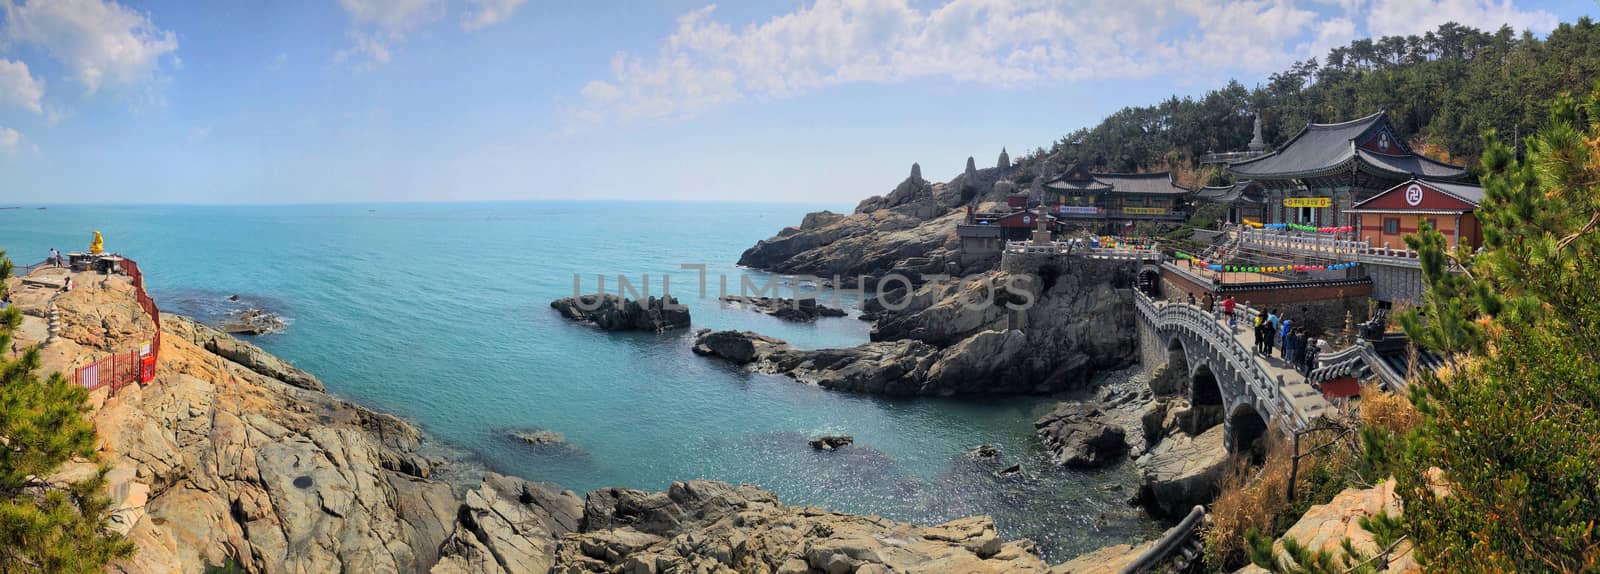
(233, 456)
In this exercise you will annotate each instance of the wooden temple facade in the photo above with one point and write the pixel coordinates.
(1078, 195)
(1318, 176)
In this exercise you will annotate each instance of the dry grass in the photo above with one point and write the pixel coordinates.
(1388, 411)
(1257, 496)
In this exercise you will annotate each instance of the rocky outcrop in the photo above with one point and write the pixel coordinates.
(802, 310)
(239, 352)
(702, 526)
(252, 322)
(1182, 471)
(1077, 436)
(508, 525)
(614, 313)
(891, 368)
(739, 347)
(830, 442)
(910, 231)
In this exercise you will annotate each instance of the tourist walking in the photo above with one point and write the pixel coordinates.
(1209, 303)
(1227, 309)
(1190, 298)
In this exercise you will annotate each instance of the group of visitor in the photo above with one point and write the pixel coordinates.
(55, 259)
(1294, 342)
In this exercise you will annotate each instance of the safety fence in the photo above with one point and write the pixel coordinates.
(137, 365)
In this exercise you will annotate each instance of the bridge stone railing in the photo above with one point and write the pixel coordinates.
(1265, 388)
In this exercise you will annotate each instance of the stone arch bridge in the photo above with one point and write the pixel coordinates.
(1223, 378)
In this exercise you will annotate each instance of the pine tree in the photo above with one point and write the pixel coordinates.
(1504, 472)
(42, 425)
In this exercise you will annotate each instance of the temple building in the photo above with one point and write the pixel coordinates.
(1244, 200)
(1080, 196)
(1325, 169)
(1385, 219)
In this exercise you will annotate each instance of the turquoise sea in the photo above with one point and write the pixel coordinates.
(440, 313)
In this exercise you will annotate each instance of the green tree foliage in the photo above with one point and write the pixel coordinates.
(43, 528)
(1504, 472)
(1447, 86)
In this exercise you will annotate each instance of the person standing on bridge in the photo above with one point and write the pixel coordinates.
(1267, 334)
(1285, 341)
(1227, 309)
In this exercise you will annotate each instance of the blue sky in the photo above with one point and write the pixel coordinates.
(405, 100)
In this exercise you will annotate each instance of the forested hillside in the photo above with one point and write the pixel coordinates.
(1443, 90)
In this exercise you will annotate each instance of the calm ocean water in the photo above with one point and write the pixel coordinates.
(439, 313)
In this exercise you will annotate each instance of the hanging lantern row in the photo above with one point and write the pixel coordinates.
(1260, 268)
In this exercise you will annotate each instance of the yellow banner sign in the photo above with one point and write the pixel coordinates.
(1145, 210)
(1307, 201)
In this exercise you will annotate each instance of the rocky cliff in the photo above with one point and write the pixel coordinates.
(962, 338)
(910, 230)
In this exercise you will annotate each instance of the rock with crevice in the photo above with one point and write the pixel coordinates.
(1183, 471)
(1077, 436)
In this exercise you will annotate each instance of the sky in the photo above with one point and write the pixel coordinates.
(305, 101)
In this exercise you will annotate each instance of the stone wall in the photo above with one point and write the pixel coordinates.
(1395, 283)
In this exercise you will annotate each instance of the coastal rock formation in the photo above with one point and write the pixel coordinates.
(252, 322)
(244, 354)
(614, 313)
(740, 347)
(1182, 471)
(891, 368)
(219, 461)
(830, 442)
(910, 231)
(797, 310)
(954, 338)
(1076, 436)
(702, 526)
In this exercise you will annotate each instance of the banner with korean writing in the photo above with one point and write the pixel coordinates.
(1307, 202)
(1145, 210)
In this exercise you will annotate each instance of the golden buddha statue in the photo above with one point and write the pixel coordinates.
(97, 246)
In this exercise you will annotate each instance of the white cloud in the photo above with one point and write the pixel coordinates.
(484, 13)
(1404, 17)
(18, 88)
(705, 63)
(99, 41)
(380, 23)
(9, 138)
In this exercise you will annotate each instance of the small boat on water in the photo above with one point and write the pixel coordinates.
(13, 207)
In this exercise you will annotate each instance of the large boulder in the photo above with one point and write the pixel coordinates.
(615, 313)
(891, 368)
(739, 347)
(1077, 436)
(1182, 471)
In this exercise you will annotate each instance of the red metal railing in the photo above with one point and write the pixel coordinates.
(132, 366)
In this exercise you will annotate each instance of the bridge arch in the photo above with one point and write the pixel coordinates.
(1149, 280)
(1204, 387)
(1246, 431)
